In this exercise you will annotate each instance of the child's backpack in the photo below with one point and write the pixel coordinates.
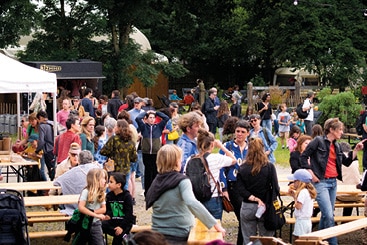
(197, 171)
(13, 219)
(300, 113)
(359, 124)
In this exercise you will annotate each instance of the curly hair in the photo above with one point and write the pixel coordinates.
(188, 120)
(123, 130)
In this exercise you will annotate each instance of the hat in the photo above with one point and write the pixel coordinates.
(301, 175)
(138, 100)
(74, 148)
(33, 137)
(173, 104)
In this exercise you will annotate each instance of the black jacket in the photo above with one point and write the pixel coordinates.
(113, 106)
(318, 152)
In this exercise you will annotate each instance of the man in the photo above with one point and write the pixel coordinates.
(210, 110)
(70, 162)
(308, 106)
(62, 142)
(136, 110)
(46, 143)
(114, 104)
(75, 180)
(189, 124)
(87, 102)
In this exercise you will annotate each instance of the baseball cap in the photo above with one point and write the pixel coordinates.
(74, 148)
(174, 104)
(301, 175)
(33, 137)
(138, 100)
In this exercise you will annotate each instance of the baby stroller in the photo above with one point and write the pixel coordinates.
(13, 219)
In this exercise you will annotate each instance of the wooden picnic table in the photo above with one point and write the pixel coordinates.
(15, 164)
(199, 234)
(341, 190)
(29, 186)
(352, 138)
(50, 200)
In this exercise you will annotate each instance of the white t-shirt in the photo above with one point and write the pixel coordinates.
(217, 161)
(306, 104)
(307, 205)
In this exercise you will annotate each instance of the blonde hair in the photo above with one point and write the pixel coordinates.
(95, 191)
(311, 189)
(168, 157)
(83, 128)
(256, 155)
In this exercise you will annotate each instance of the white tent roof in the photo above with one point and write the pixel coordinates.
(16, 77)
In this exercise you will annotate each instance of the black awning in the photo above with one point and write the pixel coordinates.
(84, 69)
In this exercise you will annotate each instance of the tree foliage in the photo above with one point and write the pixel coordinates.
(17, 17)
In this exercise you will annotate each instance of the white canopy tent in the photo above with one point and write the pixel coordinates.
(16, 77)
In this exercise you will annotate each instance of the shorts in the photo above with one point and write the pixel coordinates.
(284, 134)
(302, 227)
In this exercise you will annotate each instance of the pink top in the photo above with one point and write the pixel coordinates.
(291, 143)
(62, 116)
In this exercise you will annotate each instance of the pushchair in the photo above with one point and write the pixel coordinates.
(13, 219)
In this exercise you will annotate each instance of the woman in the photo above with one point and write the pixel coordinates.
(239, 148)
(270, 143)
(32, 128)
(295, 158)
(78, 107)
(87, 134)
(222, 116)
(206, 143)
(173, 201)
(151, 142)
(253, 185)
(229, 128)
(326, 159)
(197, 108)
(121, 149)
(265, 111)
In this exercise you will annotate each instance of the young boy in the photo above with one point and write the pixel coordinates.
(284, 120)
(119, 209)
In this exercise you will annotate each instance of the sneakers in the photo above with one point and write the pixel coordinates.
(282, 146)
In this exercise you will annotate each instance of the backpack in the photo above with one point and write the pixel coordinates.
(300, 113)
(359, 124)
(197, 171)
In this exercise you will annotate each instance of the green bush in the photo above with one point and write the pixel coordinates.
(342, 106)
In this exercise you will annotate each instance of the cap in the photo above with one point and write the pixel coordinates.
(138, 99)
(301, 175)
(173, 104)
(33, 137)
(74, 148)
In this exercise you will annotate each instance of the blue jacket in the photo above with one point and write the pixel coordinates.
(269, 146)
(188, 147)
(151, 141)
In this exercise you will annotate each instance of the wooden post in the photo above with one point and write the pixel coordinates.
(250, 100)
(297, 93)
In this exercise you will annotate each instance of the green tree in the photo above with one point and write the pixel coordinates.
(16, 19)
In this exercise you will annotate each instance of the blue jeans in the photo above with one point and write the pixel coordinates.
(43, 169)
(267, 124)
(215, 207)
(326, 196)
(141, 168)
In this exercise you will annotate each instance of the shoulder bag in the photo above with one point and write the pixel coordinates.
(274, 215)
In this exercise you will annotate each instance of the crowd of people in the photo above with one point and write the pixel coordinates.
(104, 144)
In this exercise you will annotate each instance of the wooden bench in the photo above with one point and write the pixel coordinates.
(317, 237)
(62, 233)
(337, 219)
(33, 214)
(267, 240)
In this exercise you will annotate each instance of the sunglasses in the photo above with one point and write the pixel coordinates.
(253, 120)
(241, 131)
(22, 121)
(73, 154)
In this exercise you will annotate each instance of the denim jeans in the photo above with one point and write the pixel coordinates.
(43, 169)
(215, 207)
(141, 168)
(326, 196)
(267, 124)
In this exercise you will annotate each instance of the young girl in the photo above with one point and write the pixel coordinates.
(303, 193)
(92, 203)
(119, 216)
(294, 134)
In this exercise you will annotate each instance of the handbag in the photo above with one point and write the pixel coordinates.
(274, 218)
(109, 165)
(173, 135)
(227, 205)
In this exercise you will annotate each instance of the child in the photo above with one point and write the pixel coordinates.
(99, 141)
(92, 203)
(303, 193)
(119, 216)
(301, 124)
(284, 120)
(294, 134)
